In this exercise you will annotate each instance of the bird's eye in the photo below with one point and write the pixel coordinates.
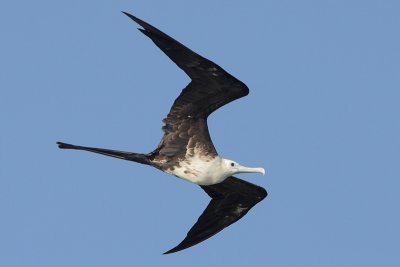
(232, 164)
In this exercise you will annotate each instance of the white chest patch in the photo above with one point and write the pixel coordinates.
(201, 171)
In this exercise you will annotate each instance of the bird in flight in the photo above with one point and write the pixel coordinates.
(186, 150)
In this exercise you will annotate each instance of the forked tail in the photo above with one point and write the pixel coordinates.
(140, 158)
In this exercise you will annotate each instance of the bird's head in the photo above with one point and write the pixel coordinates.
(231, 167)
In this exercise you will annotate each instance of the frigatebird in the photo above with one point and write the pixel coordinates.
(186, 149)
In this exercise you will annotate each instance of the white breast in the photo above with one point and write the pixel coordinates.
(201, 171)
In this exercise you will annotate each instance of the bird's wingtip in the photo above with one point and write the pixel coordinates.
(171, 251)
(132, 17)
(137, 20)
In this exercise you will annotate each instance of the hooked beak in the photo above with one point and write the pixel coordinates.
(243, 169)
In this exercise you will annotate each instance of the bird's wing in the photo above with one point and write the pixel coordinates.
(211, 86)
(231, 200)
(183, 138)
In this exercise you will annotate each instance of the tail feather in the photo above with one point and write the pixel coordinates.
(137, 157)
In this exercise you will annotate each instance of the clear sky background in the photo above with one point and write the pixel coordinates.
(322, 116)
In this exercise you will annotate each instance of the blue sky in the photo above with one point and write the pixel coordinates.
(322, 116)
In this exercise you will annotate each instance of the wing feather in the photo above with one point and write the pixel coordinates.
(211, 86)
(231, 200)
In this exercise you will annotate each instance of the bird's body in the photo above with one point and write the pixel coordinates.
(200, 170)
(186, 150)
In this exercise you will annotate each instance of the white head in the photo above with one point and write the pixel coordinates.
(231, 167)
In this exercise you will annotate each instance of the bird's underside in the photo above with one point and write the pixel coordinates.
(186, 137)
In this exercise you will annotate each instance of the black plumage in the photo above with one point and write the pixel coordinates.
(230, 201)
(186, 133)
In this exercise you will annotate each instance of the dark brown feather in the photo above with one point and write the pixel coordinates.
(231, 200)
(211, 87)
